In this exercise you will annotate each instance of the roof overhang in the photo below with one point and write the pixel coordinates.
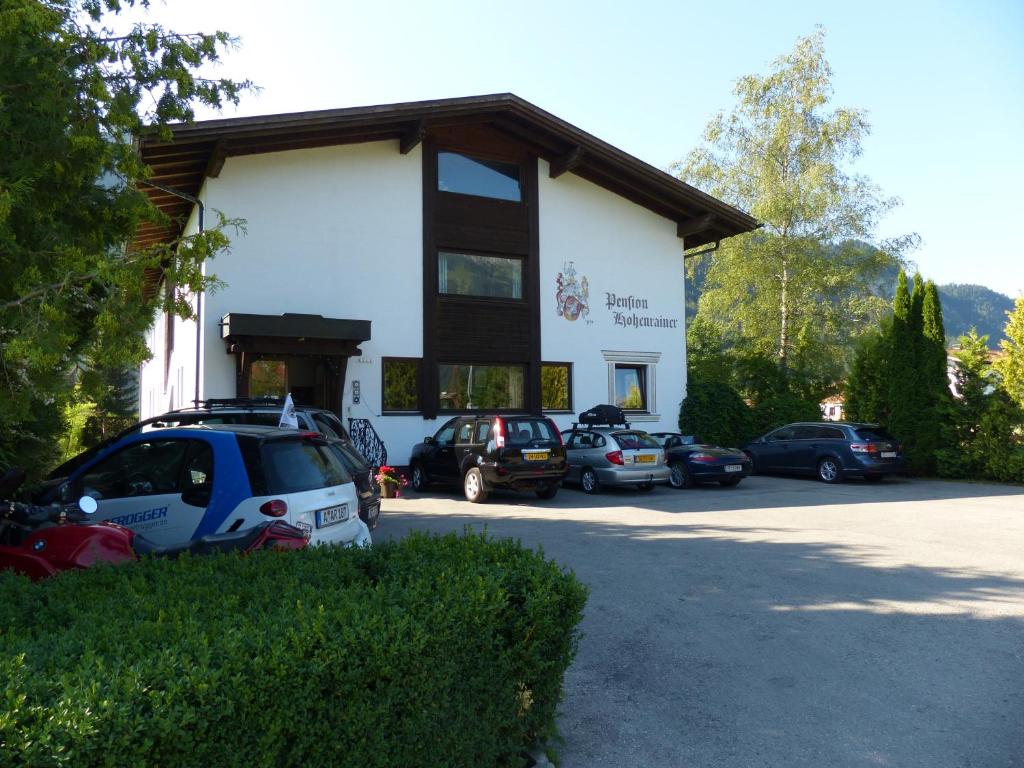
(199, 150)
(292, 333)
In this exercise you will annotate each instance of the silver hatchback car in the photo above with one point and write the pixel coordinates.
(614, 456)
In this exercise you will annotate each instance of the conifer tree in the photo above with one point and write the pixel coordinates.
(867, 388)
(902, 374)
(933, 392)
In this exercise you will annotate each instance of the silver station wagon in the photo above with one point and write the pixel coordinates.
(613, 456)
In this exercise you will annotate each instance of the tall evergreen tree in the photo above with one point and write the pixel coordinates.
(933, 392)
(867, 387)
(901, 374)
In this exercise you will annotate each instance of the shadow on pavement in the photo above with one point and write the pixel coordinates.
(716, 646)
(759, 491)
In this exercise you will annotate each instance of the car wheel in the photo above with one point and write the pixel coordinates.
(730, 482)
(829, 470)
(548, 493)
(473, 486)
(678, 476)
(589, 482)
(753, 462)
(419, 478)
(874, 478)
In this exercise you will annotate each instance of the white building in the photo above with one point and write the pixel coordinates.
(405, 262)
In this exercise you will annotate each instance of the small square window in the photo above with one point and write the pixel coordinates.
(631, 387)
(556, 386)
(401, 385)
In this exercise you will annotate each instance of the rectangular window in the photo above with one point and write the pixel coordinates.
(468, 274)
(631, 387)
(401, 386)
(268, 378)
(480, 387)
(473, 176)
(556, 386)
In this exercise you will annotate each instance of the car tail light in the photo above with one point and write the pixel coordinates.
(499, 433)
(863, 447)
(701, 456)
(275, 508)
(555, 427)
(615, 457)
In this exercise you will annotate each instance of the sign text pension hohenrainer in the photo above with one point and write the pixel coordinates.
(622, 309)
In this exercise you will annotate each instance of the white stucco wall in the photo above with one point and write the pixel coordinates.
(157, 393)
(621, 249)
(338, 231)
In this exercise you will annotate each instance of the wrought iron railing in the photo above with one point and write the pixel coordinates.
(368, 441)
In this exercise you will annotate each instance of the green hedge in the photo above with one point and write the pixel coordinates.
(429, 652)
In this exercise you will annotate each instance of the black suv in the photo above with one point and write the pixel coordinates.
(520, 453)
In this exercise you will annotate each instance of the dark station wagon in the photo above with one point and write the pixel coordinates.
(482, 453)
(831, 451)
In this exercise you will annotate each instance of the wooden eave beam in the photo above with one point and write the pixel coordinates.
(217, 158)
(567, 162)
(412, 137)
(695, 225)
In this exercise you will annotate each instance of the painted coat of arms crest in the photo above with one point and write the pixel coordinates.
(572, 294)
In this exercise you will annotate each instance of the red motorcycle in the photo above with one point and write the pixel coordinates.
(42, 541)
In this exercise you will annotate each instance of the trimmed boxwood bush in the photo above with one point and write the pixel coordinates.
(432, 651)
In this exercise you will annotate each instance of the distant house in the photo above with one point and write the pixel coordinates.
(832, 408)
(953, 365)
(403, 263)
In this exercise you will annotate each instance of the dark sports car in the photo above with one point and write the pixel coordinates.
(691, 461)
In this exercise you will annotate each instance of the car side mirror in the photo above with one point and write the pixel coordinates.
(428, 440)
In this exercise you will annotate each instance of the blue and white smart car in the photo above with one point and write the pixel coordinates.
(180, 483)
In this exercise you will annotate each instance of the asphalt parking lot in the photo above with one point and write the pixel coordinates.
(783, 622)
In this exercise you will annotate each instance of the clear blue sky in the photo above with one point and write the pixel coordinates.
(942, 82)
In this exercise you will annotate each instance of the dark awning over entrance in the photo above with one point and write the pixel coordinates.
(293, 334)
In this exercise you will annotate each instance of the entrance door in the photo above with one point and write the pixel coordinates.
(313, 380)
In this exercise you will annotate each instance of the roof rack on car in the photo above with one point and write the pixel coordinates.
(588, 424)
(235, 402)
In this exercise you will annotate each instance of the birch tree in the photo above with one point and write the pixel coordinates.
(806, 284)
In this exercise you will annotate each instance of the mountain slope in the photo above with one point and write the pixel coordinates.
(966, 306)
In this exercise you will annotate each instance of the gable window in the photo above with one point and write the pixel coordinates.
(481, 387)
(401, 385)
(474, 176)
(556, 386)
(469, 274)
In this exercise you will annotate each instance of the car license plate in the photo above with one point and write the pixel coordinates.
(888, 454)
(733, 467)
(645, 458)
(331, 516)
(536, 455)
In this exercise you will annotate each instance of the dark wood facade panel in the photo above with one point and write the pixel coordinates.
(481, 139)
(476, 331)
(478, 223)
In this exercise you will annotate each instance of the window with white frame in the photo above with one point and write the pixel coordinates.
(632, 381)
